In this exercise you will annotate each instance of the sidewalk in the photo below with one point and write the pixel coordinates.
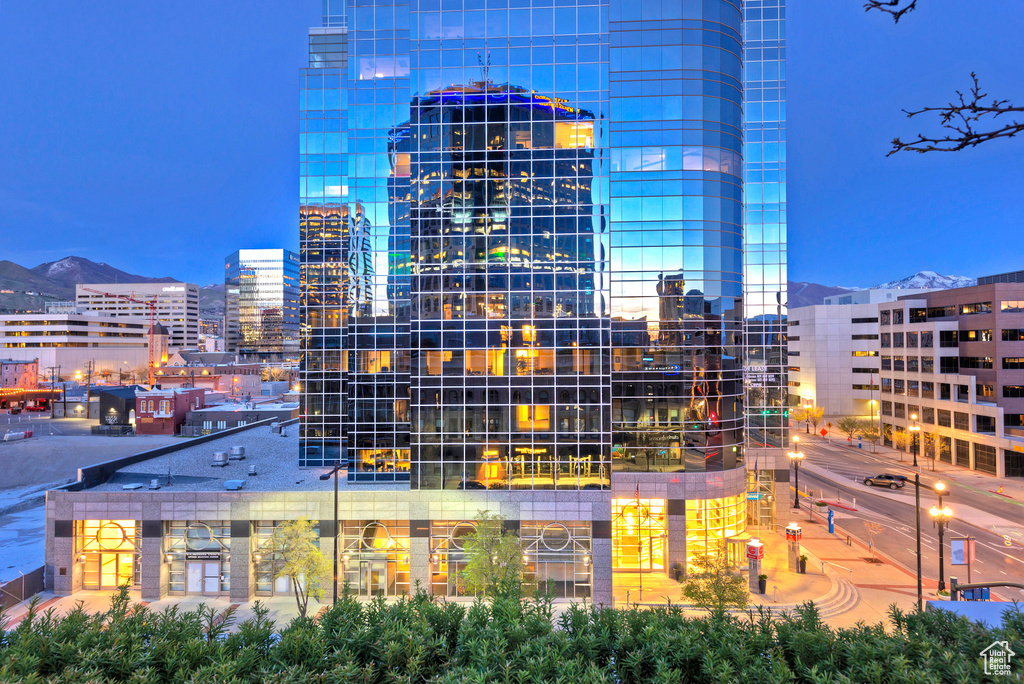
(282, 610)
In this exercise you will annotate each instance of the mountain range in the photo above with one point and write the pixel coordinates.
(29, 289)
(808, 294)
(56, 280)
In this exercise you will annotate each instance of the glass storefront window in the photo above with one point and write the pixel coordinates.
(709, 522)
(374, 558)
(109, 550)
(638, 534)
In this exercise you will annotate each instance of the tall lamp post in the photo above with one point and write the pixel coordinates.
(796, 456)
(326, 476)
(941, 516)
(914, 429)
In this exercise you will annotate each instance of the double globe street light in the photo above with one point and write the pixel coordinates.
(795, 457)
(941, 517)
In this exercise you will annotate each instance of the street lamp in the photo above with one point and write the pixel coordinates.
(941, 516)
(796, 456)
(326, 476)
(914, 429)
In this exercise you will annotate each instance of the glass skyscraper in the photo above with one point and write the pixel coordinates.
(261, 304)
(522, 233)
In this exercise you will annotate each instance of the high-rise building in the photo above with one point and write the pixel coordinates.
(177, 306)
(261, 304)
(523, 278)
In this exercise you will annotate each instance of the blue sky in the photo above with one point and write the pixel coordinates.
(160, 137)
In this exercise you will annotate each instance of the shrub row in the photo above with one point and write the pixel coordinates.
(506, 640)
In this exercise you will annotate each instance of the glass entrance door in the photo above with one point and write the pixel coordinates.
(116, 569)
(372, 578)
(202, 577)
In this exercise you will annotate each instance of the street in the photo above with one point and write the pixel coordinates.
(886, 518)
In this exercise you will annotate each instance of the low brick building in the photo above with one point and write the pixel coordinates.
(163, 411)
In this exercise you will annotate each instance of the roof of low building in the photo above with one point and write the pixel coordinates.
(275, 456)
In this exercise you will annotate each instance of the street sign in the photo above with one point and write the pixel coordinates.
(755, 552)
(828, 424)
(753, 496)
(824, 432)
(958, 551)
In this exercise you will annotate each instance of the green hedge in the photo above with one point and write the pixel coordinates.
(508, 641)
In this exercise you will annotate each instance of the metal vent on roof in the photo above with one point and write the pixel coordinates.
(132, 485)
(252, 471)
(237, 453)
(220, 459)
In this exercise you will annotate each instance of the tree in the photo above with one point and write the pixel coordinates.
(308, 570)
(869, 431)
(711, 585)
(850, 426)
(814, 415)
(968, 120)
(897, 436)
(799, 415)
(494, 558)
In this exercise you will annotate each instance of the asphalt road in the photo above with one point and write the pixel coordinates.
(969, 488)
(889, 523)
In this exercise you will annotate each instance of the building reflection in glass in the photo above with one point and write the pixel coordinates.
(509, 366)
(676, 207)
(261, 296)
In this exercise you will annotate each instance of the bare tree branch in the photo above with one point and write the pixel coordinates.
(961, 119)
(893, 7)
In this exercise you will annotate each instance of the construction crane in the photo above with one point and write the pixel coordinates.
(148, 303)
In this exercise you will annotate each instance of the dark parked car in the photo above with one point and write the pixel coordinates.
(886, 480)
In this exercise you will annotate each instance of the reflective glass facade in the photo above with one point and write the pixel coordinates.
(676, 235)
(765, 222)
(261, 297)
(535, 275)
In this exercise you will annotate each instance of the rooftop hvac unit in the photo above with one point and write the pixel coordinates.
(220, 459)
(233, 485)
(237, 453)
(275, 428)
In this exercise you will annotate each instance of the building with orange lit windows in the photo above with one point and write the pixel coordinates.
(531, 283)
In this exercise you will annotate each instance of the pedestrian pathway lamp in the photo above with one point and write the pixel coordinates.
(326, 476)
(796, 456)
(914, 429)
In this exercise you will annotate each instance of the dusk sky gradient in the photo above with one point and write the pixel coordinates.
(160, 137)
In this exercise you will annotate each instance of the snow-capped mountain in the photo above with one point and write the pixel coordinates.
(926, 280)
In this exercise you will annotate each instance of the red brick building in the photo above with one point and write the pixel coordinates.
(162, 411)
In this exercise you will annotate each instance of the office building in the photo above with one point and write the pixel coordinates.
(261, 302)
(952, 365)
(833, 353)
(177, 306)
(110, 349)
